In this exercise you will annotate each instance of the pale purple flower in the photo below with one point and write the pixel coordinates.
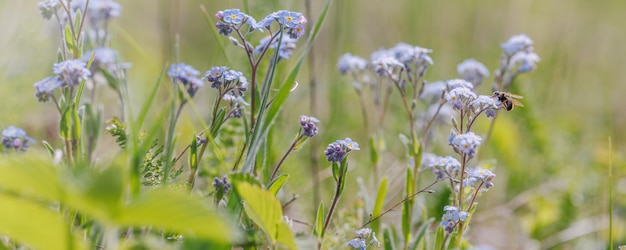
(517, 43)
(308, 125)
(472, 71)
(46, 87)
(524, 62)
(71, 72)
(460, 97)
(350, 63)
(15, 138)
(48, 8)
(466, 143)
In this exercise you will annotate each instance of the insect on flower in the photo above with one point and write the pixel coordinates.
(508, 100)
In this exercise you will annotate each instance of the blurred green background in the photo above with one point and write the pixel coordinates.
(551, 189)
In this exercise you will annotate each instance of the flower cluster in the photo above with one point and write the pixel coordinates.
(221, 184)
(466, 144)
(48, 8)
(221, 77)
(518, 58)
(336, 151)
(235, 103)
(442, 167)
(360, 241)
(452, 217)
(98, 11)
(472, 71)
(232, 19)
(105, 59)
(412, 59)
(308, 125)
(15, 138)
(68, 73)
(460, 97)
(287, 46)
(351, 63)
(187, 76)
(485, 176)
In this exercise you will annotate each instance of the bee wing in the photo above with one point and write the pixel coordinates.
(516, 103)
(516, 96)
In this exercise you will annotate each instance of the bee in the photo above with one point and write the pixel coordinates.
(508, 100)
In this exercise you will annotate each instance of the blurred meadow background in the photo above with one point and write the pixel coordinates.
(552, 188)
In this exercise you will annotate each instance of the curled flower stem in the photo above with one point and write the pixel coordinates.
(282, 159)
(426, 189)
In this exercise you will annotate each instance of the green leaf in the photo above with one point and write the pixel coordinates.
(373, 151)
(193, 153)
(318, 228)
(265, 210)
(407, 207)
(380, 202)
(389, 243)
(419, 234)
(439, 239)
(65, 124)
(177, 212)
(278, 183)
(69, 39)
(49, 148)
(30, 176)
(33, 224)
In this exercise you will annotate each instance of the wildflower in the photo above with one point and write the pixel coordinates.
(104, 59)
(517, 43)
(483, 175)
(221, 185)
(71, 72)
(233, 16)
(524, 62)
(252, 23)
(336, 151)
(472, 71)
(460, 97)
(487, 103)
(385, 65)
(308, 125)
(455, 83)
(187, 75)
(296, 32)
(363, 233)
(45, 87)
(214, 76)
(466, 143)
(98, 10)
(357, 243)
(348, 62)
(287, 46)
(48, 8)
(433, 90)
(451, 218)
(266, 22)
(15, 138)
(409, 54)
(290, 19)
(223, 28)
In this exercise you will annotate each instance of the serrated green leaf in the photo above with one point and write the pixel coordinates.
(318, 228)
(265, 210)
(278, 183)
(33, 224)
(379, 204)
